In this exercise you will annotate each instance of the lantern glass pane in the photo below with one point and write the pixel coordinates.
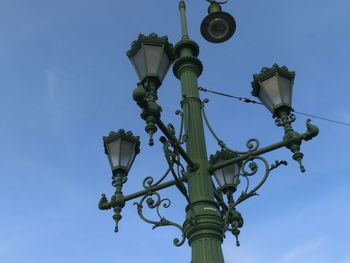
(218, 28)
(114, 152)
(229, 174)
(127, 153)
(271, 89)
(219, 177)
(164, 65)
(265, 99)
(285, 87)
(153, 56)
(139, 61)
(236, 170)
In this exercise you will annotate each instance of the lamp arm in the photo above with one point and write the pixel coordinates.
(154, 201)
(152, 189)
(193, 166)
(289, 142)
(246, 156)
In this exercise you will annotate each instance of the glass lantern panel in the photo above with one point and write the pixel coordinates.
(270, 87)
(164, 65)
(127, 153)
(236, 169)
(228, 172)
(139, 61)
(265, 99)
(219, 177)
(114, 152)
(286, 89)
(133, 154)
(218, 28)
(153, 56)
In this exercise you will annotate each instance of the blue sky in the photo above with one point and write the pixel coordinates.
(65, 81)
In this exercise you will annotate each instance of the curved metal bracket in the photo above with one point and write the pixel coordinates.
(154, 201)
(173, 158)
(232, 218)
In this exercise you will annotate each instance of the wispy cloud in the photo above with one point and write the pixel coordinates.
(51, 82)
(347, 260)
(345, 116)
(304, 253)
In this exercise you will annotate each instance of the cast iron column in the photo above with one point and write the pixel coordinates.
(204, 227)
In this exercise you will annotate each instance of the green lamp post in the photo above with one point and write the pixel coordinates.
(211, 207)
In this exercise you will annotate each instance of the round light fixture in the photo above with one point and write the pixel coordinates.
(218, 27)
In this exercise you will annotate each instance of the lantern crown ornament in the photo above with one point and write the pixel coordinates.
(273, 87)
(121, 148)
(151, 57)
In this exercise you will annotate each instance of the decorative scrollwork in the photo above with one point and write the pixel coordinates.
(291, 118)
(253, 144)
(154, 201)
(278, 122)
(119, 180)
(148, 181)
(173, 158)
(232, 218)
(220, 142)
(253, 167)
(278, 163)
(171, 129)
(182, 138)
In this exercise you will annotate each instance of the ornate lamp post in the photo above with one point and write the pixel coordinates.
(211, 210)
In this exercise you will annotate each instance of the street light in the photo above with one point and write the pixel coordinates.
(121, 148)
(273, 87)
(151, 57)
(211, 208)
(217, 26)
(228, 176)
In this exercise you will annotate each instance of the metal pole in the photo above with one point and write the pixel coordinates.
(204, 227)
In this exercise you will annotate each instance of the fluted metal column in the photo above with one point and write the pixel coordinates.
(203, 226)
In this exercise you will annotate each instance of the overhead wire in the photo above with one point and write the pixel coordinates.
(246, 100)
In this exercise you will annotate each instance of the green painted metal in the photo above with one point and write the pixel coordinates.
(184, 30)
(203, 225)
(210, 211)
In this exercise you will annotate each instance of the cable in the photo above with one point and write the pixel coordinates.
(246, 100)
